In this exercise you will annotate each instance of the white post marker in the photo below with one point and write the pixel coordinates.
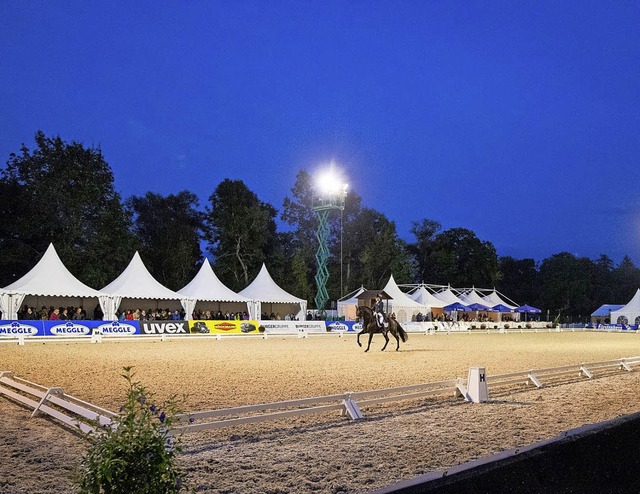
(477, 385)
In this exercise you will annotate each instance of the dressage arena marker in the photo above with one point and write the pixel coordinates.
(86, 416)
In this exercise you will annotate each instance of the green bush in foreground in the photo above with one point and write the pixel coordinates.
(137, 454)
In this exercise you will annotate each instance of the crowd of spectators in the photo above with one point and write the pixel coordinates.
(275, 316)
(79, 314)
(150, 315)
(52, 313)
(462, 316)
(206, 315)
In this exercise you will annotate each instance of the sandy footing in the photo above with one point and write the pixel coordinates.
(319, 453)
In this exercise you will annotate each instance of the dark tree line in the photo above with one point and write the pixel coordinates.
(64, 193)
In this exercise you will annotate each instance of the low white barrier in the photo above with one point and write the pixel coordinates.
(473, 389)
(54, 402)
(536, 376)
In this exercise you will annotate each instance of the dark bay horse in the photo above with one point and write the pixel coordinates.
(369, 325)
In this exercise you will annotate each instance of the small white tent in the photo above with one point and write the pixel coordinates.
(401, 304)
(135, 282)
(630, 312)
(494, 299)
(51, 279)
(472, 297)
(206, 287)
(448, 297)
(347, 305)
(425, 297)
(263, 290)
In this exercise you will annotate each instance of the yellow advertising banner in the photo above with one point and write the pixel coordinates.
(223, 327)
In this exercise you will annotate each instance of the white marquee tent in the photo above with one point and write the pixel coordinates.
(448, 297)
(472, 297)
(206, 287)
(263, 290)
(494, 299)
(135, 283)
(401, 304)
(49, 279)
(347, 305)
(425, 297)
(631, 311)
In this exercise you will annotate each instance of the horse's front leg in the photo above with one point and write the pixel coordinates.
(386, 340)
(358, 338)
(369, 344)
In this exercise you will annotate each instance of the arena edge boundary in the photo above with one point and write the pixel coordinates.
(479, 476)
(84, 415)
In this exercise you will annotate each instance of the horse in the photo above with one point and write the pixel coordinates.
(369, 325)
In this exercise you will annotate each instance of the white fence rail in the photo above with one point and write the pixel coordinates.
(55, 403)
(83, 415)
(537, 376)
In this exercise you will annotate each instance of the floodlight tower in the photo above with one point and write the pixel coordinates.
(329, 195)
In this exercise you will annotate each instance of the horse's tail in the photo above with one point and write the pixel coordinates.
(403, 334)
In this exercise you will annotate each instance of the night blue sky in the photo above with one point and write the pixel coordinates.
(519, 120)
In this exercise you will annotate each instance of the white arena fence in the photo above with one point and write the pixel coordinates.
(54, 402)
(475, 388)
(22, 332)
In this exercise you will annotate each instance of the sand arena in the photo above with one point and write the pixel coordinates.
(319, 453)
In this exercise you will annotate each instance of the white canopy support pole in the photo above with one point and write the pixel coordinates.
(106, 303)
(14, 305)
(188, 304)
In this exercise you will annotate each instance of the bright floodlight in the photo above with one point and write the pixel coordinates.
(329, 182)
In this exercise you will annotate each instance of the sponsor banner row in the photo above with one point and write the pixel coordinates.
(15, 329)
(294, 327)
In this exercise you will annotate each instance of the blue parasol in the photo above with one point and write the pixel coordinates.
(502, 308)
(456, 306)
(479, 307)
(527, 309)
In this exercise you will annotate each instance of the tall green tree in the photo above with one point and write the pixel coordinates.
(240, 231)
(62, 193)
(603, 288)
(568, 286)
(425, 232)
(460, 258)
(169, 230)
(520, 280)
(298, 213)
(625, 281)
(382, 252)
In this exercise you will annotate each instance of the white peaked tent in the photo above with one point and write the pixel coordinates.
(135, 282)
(401, 304)
(425, 297)
(206, 287)
(472, 297)
(448, 297)
(631, 311)
(347, 305)
(263, 290)
(494, 299)
(51, 279)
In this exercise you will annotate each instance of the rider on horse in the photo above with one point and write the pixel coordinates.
(378, 311)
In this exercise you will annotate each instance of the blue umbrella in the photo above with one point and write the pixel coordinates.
(479, 307)
(527, 309)
(502, 308)
(457, 306)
